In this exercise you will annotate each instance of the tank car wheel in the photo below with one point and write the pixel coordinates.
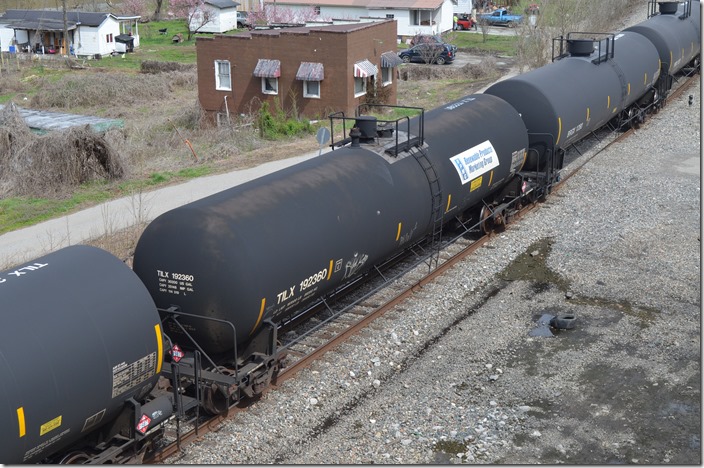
(656, 101)
(486, 220)
(75, 458)
(632, 121)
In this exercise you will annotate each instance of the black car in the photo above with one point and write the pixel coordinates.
(428, 53)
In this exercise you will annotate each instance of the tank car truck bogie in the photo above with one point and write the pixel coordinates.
(220, 381)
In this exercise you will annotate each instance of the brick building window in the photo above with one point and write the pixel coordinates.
(269, 71)
(360, 86)
(311, 89)
(389, 60)
(386, 76)
(362, 70)
(223, 80)
(270, 85)
(311, 73)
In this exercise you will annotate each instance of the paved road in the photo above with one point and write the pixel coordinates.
(28, 243)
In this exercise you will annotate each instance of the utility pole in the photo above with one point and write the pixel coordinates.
(64, 40)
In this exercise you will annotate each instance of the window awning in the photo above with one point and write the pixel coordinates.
(310, 71)
(267, 68)
(390, 59)
(364, 68)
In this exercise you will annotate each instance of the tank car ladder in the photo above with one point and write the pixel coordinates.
(436, 193)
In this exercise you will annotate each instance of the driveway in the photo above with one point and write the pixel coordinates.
(493, 30)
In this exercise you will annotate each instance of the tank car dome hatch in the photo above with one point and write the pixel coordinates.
(367, 127)
(580, 47)
(668, 8)
(70, 361)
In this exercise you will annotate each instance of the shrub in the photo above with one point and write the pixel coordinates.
(274, 126)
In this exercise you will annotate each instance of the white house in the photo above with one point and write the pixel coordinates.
(463, 6)
(41, 31)
(412, 16)
(222, 16)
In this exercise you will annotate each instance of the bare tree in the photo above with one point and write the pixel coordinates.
(157, 10)
(431, 52)
(134, 7)
(560, 17)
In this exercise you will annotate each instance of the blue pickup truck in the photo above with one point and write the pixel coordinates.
(501, 17)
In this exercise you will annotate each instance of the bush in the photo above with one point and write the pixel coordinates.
(52, 164)
(274, 126)
(152, 66)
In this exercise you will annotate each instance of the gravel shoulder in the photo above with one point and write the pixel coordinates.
(454, 376)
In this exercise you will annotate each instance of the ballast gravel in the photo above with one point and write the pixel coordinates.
(464, 373)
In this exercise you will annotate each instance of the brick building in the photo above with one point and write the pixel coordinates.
(314, 70)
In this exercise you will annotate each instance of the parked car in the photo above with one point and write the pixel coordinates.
(242, 21)
(428, 53)
(466, 21)
(431, 39)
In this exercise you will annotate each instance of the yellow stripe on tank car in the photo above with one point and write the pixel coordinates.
(20, 421)
(525, 156)
(160, 348)
(261, 313)
(449, 199)
(588, 110)
(645, 78)
(629, 89)
(559, 130)
(398, 232)
(608, 102)
(330, 270)
(491, 177)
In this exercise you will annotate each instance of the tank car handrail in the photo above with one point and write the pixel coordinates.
(598, 37)
(419, 140)
(173, 315)
(340, 115)
(421, 118)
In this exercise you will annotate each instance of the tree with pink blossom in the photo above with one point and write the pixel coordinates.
(194, 12)
(134, 7)
(276, 14)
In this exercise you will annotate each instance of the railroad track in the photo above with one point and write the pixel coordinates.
(325, 328)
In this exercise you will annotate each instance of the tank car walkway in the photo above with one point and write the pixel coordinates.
(28, 243)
